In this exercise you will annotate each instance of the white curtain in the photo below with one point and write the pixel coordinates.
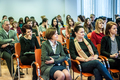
(118, 7)
(97, 7)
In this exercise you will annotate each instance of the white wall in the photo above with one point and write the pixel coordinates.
(71, 8)
(37, 8)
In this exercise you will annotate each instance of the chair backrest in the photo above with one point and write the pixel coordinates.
(43, 34)
(38, 56)
(67, 43)
(61, 30)
(89, 35)
(17, 48)
(98, 48)
(17, 36)
(38, 38)
(60, 38)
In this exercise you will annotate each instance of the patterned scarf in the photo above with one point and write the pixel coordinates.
(80, 52)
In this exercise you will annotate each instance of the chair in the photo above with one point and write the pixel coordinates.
(17, 57)
(89, 35)
(110, 70)
(60, 39)
(63, 37)
(38, 62)
(0, 66)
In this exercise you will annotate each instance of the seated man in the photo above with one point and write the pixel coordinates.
(7, 40)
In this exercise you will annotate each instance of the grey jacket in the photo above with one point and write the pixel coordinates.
(48, 52)
(7, 39)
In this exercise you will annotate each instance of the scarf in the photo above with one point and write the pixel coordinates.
(80, 52)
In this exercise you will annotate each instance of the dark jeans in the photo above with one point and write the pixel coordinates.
(114, 63)
(97, 68)
(27, 60)
(7, 57)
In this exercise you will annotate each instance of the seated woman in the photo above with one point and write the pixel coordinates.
(43, 26)
(84, 51)
(110, 45)
(28, 43)
(69, 28)
(54, 23)
(88, 26)
(97, 35)
(52, 57)
(16, 28)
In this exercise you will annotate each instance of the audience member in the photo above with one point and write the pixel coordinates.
(97, 35)
(11, 19)
(67, 18)
(28, 44)
(92, 18)
(83, 50)
(80, 19)
(60, 22)
(20, 22)
(52, 58)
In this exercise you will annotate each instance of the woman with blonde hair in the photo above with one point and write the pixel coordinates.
(88, 26)
(97, 35)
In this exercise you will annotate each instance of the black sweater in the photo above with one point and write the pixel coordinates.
(28, 45)
(74, 53)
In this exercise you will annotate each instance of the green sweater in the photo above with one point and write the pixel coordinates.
(74, 53)
(28, 45)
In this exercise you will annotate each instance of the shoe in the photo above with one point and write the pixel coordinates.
(21, 73)
(115, 75)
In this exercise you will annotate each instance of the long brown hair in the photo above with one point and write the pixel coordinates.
(85, 26)
(108, 27)
(97, 29)
(69, 26)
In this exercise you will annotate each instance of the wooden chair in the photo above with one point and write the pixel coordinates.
(110, 70)
(38, 62)
(17, 57)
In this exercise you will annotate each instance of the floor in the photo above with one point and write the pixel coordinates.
(6, 75)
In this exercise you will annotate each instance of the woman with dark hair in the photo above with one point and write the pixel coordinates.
(28, 44)
(52, 58)
(81, 19)
(67, 18)
(35, 28)
(88, 26)
(43, 26)
(69, 28)
(83, 50)
(54, 23)
(20, 22)
(110, 45)
(118, 26)
(25, 19)
(16, 28)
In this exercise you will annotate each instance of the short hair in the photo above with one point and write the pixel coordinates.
(91, 15)
(81, 18)
(76, 29)
(29, 20)
(50, 32)
(10, 18)
(4, 16)
(4, 21)
(58, 16)
(44, 20)
(104, 18)
(97, 30)
(26, 27)
(118, 20)
(43, 16)
(108, 27)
